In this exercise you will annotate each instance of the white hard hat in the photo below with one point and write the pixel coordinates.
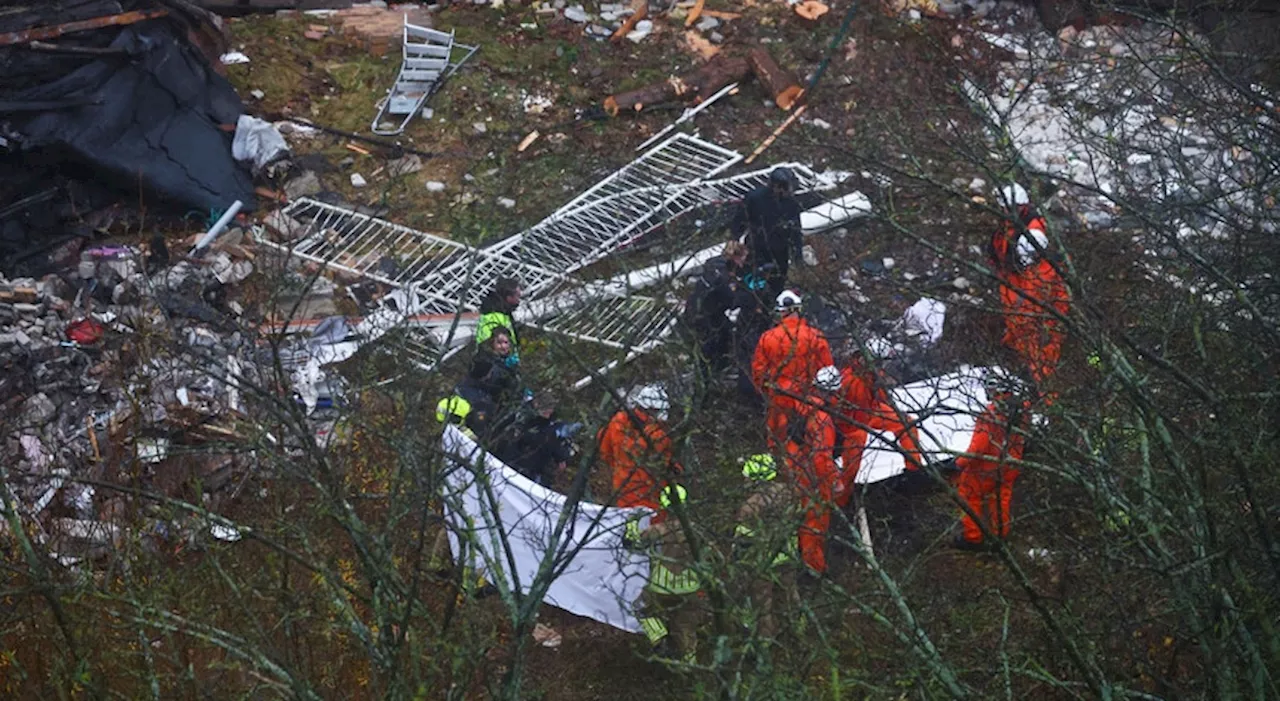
(787, 300)
(1030, 245)
(1014, 195)
(828, 379)
(997, 380)
(650, 397)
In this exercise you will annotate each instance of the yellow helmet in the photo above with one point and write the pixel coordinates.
(760, 467)
(673, 493)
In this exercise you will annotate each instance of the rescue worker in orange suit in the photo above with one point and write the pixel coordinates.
(634, 445)
(863, 406)
(787, 358)
(1032, 292)
(811, 467)
(986, 475)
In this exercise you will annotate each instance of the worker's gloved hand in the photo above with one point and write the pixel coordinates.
(528, 395)
(511, 361)
(732, 315)
(809, 256)
(565, 431)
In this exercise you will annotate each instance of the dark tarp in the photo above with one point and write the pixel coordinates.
(147, 118)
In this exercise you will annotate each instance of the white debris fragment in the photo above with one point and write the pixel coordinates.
(225, 533)
(233, 58)
(435, 186)
(480, 127)
(576, 14)
(534, 103)
(643, 28)
(506, 202)
(960, 283)
(357, 180)
(924, 320)
(888, 263)
(809, 255)
(257, 94)
(977, 185)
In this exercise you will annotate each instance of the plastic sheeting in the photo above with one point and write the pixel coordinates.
(491, 503)
(149, 118)
(947, 406)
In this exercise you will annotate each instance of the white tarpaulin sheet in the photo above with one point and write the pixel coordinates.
(947, 406)
(602, 580)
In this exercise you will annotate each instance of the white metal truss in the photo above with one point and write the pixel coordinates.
(633, 322)
(441, 276)
(619, 208)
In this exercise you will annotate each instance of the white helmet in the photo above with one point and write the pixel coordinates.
(1030, 245)
(650, 397)
(997, 380)
(787, 301)
(828, 379)
(1014, 195)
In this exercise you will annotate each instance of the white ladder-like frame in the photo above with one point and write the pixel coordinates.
(442, 276)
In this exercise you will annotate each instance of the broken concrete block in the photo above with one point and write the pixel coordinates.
(357, 180)
(38, 410)
(308, 183)
(410, 163)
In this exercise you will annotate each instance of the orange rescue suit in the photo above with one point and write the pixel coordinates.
(787, 358)
(633, 444)
(1029, 297)
(986, 478)
(811, 466)
(863, 406)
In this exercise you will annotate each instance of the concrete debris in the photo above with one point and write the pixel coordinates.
(576, 14)
(357, 180)
(643, 29)
(411, 163)
(506, 202)
(435, 186)
(305, 183)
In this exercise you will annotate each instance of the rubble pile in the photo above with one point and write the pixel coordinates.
(126, 369)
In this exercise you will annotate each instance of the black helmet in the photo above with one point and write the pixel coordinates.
(782, 176)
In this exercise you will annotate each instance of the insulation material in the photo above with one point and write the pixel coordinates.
(491, 505)
(835, 212)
